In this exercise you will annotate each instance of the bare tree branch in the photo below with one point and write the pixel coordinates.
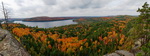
(5, 12)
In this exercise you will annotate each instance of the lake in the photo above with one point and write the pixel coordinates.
(48, 24)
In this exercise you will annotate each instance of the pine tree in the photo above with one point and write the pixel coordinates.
(144, 18)
(141, 24)
(141, 28)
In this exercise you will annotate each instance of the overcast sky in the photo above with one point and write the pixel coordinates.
(54, 8)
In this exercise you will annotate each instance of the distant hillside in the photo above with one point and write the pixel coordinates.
(44, 18)
(96, 19)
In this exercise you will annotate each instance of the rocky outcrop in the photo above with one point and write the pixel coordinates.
(120, 53)
(9, 46)
(133, 52)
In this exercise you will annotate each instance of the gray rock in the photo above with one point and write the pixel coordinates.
(112, 54)
(2, 36)
(137, 44)
(9, 46)
(1, 55)
(124, 53)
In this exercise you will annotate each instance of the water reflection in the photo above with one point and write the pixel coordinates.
(48, 24)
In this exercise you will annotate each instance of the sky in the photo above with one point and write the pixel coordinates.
(63, 8)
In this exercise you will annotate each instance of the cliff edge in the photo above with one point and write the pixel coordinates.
(9, 46)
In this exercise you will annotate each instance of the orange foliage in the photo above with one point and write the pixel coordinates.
(21, 31)
(49, 46)
(109, 33)
(71, 43)
(121, 41)
(43, 38)
(36, 35)
(100, 38)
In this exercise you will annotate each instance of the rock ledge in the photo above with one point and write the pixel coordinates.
(9, 46)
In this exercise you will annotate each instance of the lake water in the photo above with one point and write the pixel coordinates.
(48, 24)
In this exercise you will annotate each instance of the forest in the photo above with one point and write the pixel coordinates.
(90, 37)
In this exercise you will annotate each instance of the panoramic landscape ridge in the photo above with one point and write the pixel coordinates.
(118, 34)
(46, 18)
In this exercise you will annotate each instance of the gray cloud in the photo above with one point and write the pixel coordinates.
(19, 2)
(50, 2)
(83, 4)
(32, 8)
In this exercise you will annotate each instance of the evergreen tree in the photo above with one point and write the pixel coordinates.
(141, 28)
(144, 18)
(141, 24)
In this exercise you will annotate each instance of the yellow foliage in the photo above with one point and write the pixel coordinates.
(109, 33)
(86, 44)
(121, 41)
(81, 48)
(105, 38)
(127, 45)
(54, 36)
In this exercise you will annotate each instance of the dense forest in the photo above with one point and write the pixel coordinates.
(90, 37)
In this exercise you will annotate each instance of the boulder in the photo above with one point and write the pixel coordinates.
(9, 46)
(112, 54)
(124, 53)
(120, 53)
